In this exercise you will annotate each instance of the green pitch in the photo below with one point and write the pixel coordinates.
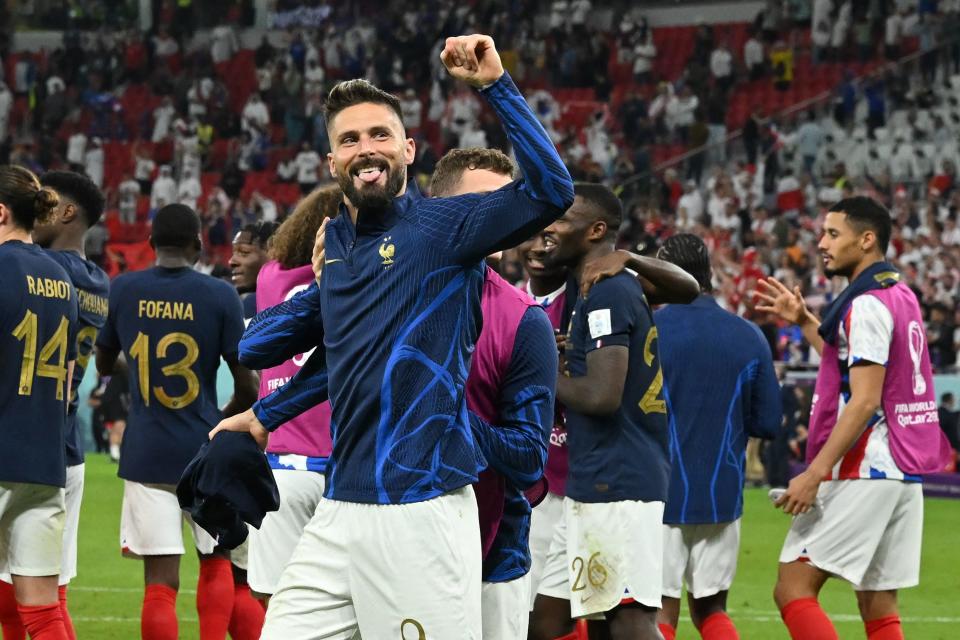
(105, 597)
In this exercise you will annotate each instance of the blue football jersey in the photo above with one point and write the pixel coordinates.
(93, 286)
(710, 416)
(38, 338)
(173, 325)
(623, 456)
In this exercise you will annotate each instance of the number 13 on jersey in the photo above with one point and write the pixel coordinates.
(140, 351)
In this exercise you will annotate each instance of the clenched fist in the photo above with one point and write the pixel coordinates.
(473, 59)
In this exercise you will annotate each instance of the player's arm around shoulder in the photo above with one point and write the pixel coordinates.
(609, 316)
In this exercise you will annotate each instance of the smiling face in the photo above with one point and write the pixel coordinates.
(842, 247)
(569, 237)
(370, 154)
(245, 262)
(535, 255)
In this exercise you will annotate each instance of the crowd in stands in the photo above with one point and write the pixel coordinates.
(183, 113)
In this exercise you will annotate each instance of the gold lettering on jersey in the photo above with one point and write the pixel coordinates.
(92, 303)
(165, 310)
(48, 288)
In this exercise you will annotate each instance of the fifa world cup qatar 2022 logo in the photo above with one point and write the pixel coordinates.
(915, 340)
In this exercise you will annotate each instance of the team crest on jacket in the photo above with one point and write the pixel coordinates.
(386, 251)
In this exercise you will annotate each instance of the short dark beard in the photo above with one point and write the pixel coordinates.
(372, 197)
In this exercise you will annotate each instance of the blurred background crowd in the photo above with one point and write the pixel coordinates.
(739, 131)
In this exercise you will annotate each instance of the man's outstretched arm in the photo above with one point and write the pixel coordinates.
(476, 225)
(280, 332)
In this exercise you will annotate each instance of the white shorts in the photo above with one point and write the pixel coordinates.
(504, 609)
(701, 556)
(272, 545)
(31, 529)
(386, 571)
(867, 532)
(543, 524)
(240, 555)
(151, 522)
(604, 553)
(73, 495)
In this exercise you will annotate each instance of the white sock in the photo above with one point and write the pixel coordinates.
(115, 451)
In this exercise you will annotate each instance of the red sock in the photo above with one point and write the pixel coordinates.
(718, 626)
(805, 620)
(667, 631)
(158, 620)
(214, 597)
(574, 635)
(43, 622)
(886, 628)
(67, 621)
(246, 621)
(9, 618)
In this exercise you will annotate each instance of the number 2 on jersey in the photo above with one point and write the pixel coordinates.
(651, 402)
(39, 365)
(140, 351)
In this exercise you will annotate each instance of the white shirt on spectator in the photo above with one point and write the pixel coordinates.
(578, 12)
(308, 163)
(162, 118)
(721, 63)
(93, 164)
(143, 168)
(820, 22)
(165, 47)
(412, 110)
(164, 190)
(473, 137)
(752, 53)
(264, 78)
(77, 148)
(189, 190)
(644, 55)
(255, 112)
(128, 192)
(689, 209)
(681, 110)
(893, 30)
(223, 44)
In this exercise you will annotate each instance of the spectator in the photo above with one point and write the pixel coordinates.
(781, 61)
(189, 189)
(809, 139)
(143, 168)
(128, 195)
(753, 57)
(77, 151)
(93, 161)
(163, 117)
(164, 189)
(690, 208)
(308, 165)
(682, 110)
(223, 43)
(820, 29)
(255, 117)
(644, 57)
(412, 109)
(721, 66)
